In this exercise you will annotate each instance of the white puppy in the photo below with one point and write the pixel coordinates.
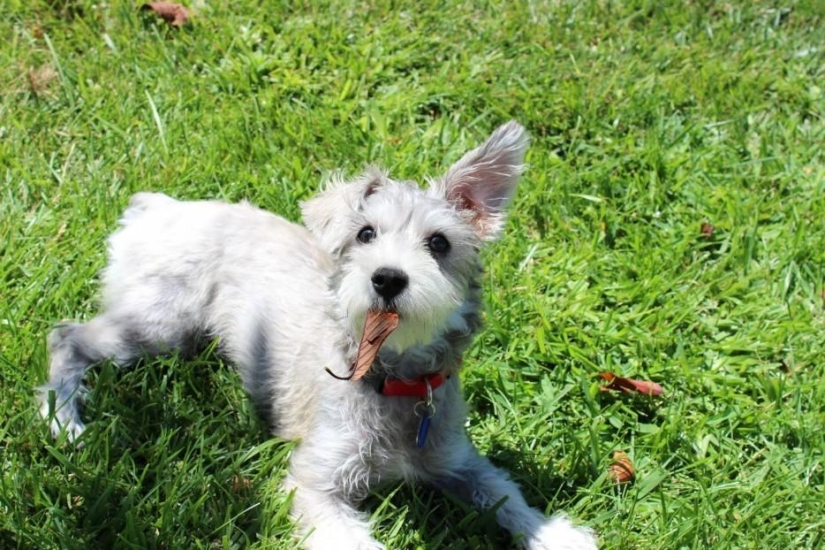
(288, 304)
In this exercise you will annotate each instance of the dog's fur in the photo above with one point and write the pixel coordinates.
(286, 302)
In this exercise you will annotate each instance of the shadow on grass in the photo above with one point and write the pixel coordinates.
(158, 467)
(445, 521)
(161, 469)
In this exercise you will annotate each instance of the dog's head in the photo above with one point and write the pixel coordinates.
(413, 250)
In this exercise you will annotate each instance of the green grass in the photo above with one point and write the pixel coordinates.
(648, 120)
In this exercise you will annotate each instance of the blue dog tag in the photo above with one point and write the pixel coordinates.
(423, 428)
(425, 411)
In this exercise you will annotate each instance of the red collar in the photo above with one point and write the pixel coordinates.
(397, 387)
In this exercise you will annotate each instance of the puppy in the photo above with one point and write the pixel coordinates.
(290, 306)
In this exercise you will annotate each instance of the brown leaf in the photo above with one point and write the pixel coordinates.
(628, 385)
(707, 230)
(40, 79)
(377, 327)
(621, 470)
(174, 14)
(240, 484)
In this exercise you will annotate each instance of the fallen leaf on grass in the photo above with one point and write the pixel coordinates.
(240, 484)
(174, 14)
(40, 79)
(628, 385)
(621, 471)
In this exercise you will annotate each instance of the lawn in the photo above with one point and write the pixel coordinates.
(671, 227)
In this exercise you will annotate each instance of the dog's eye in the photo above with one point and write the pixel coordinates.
(366, 234)
(438, 243)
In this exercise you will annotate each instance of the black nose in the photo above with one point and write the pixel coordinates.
(389, 282)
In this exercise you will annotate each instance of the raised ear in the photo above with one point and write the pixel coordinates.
(483, 182)
(329, 214)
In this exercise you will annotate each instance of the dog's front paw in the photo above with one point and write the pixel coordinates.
(558, 533)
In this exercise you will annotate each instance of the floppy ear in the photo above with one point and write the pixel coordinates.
(329, 214)
(483, 182)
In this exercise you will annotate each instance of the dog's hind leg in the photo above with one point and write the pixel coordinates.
(73, 348)
(485, 486)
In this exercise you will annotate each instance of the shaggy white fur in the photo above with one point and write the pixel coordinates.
(288, 302)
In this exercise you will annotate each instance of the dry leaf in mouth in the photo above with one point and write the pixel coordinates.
(174, 14)
(377, 327)
(622, 470)
(628, 385)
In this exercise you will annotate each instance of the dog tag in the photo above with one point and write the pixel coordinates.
(425, 411)
(423, 428)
